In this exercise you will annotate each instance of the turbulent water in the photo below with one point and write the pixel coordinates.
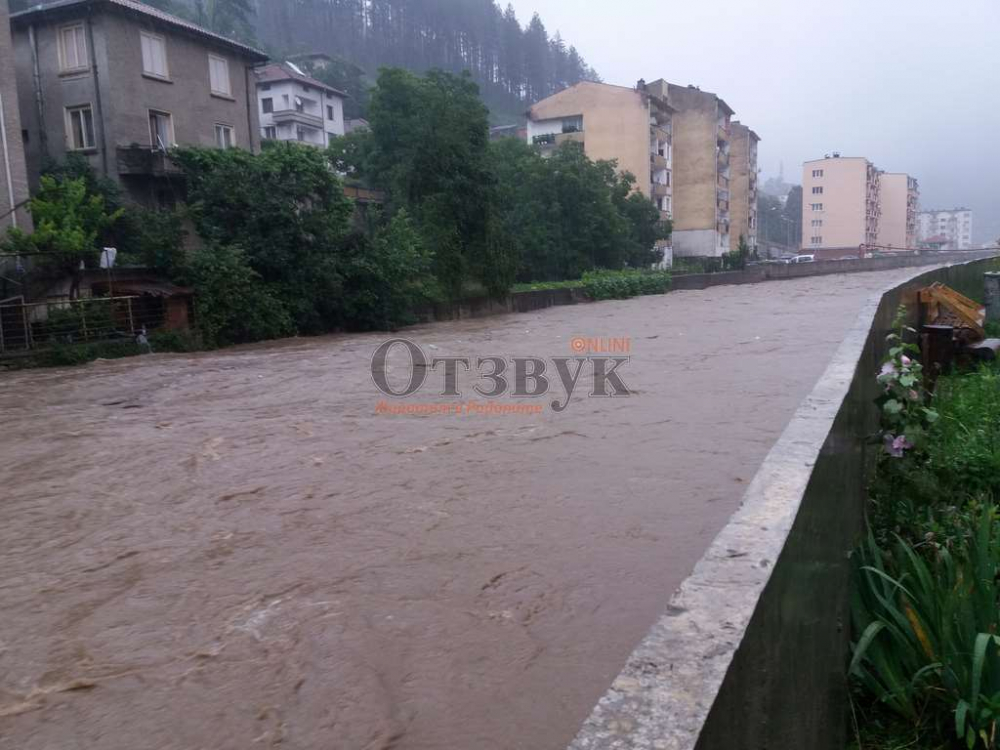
(234, 550)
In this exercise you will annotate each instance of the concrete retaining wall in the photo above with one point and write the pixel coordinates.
(752, 649)
(478, 307)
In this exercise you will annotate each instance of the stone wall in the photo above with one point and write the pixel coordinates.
(752, 649)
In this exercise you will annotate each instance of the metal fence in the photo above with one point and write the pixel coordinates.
(37, 325)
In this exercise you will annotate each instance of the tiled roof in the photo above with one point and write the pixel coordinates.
(145, 10)
(284, 72)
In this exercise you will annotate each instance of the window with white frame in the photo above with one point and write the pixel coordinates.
(271, 133)
(80, 128)
(218, 73)
(154, 55)
(817, 191)
(817, 222)
(224, 136)
(817, 206)
(72, 48)
(267, 105)
(817, 173)
(161, 129)
(330, 113)
(816, 240)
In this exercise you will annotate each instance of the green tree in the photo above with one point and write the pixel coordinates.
(792, 213)
(232, 304)
(429, 150)
(287, 211)
(68, 222)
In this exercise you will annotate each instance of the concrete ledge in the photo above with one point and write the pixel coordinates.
(479, 307)
(752, 649)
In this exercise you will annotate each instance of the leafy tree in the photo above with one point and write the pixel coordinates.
(232, 304)
(349, 154)
(429, 150)
(288, 213)
(792, 213)
(387, 275)
(230, 18)
(351, 79)
(68, 222)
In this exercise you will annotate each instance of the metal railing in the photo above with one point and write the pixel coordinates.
(26, 326)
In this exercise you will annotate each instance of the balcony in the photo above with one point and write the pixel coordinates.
(658, 162)
(548, 141)
(283, 116)
(660, 133)
(143, 160)
(659, 191)
(665, 216)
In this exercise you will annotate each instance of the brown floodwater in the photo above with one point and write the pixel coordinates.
(234, 550)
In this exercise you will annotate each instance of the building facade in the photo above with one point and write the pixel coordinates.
(702, 189)
(897, 227)
(120, 82)
(296, 107)
(841, 206)
(631, 126)
(743, 186)
(13, 172)
(948, 229)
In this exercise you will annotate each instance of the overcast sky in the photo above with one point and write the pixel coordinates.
(914, 85)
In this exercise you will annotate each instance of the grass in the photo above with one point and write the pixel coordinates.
(926, 595)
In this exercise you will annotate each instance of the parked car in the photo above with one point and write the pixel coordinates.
(803, 259)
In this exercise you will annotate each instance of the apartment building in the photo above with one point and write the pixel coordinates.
(121, 82)
(629, 125)
(742, 186)
(948, 229)
(702, 179)
(13, 173)
(841, 206)
(897, 226)
(297, 107)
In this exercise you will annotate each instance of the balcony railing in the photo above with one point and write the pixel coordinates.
(659, 191)
(658, 162)
(281, 116)
(144, 160)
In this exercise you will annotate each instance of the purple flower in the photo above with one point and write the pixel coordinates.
(896, 445)
(905, 360)
(914, 396)
(888, 369)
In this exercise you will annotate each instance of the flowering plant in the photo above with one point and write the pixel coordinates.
(904, 400)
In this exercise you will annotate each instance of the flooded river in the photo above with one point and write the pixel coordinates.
(234, 550)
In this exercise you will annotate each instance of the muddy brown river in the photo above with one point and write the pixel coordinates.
(234, 550)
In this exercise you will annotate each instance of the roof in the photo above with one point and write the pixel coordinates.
(286, 72)
(152, 287)
(137, 8)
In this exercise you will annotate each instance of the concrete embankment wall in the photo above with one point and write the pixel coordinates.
(479, 307)
(752, 650)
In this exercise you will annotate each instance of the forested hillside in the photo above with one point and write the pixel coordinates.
(513, 66)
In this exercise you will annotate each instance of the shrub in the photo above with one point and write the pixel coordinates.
(601, 285)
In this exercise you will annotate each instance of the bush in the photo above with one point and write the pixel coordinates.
(601, 285)
(232, 306)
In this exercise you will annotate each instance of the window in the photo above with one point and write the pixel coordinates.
(817, 222)
(154, 55)
(817, 191)
(817, 206)
(267, 105)
(218, 74)
(817, 173)
(330, 138)
(271, 133)
(161, 129)
(80, 127)
(72, 48)
(329, 112)
(816, 240)
(224, 136)
(284, 98)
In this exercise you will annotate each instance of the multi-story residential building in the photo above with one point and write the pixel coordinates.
(841, 206)
(897, 226)
(297, 107)
(743, 186)
(947, 229)
(702, 189)
(629, 125)
(120, 82)
(13, 174)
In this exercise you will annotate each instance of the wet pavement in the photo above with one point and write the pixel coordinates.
(234, 550)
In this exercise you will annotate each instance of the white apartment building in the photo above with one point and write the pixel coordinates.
(296, 107)
(947, 229)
